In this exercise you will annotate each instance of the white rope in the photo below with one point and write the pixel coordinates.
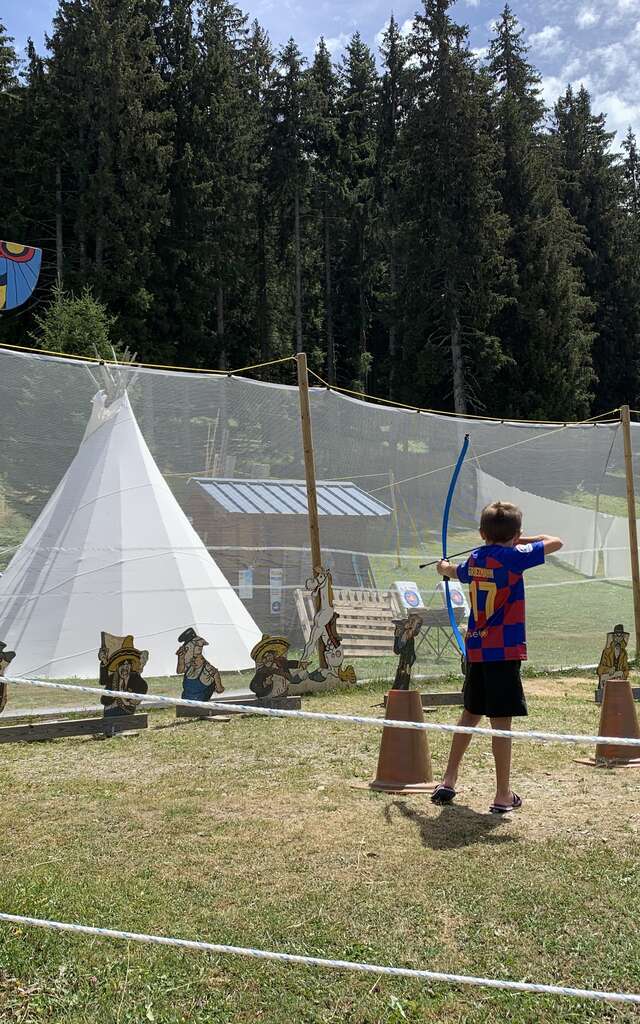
(315, 961)
(324, 716)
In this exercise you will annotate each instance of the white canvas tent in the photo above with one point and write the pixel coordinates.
(112, 550)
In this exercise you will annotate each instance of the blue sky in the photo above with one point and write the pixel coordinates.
(590, 42)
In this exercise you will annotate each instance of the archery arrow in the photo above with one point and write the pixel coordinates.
(445, 527)
(458, 554)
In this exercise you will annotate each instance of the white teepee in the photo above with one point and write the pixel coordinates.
(112, 550)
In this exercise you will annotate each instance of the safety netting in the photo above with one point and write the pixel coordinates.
(229, 450)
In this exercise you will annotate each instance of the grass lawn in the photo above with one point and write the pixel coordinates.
(250, 833)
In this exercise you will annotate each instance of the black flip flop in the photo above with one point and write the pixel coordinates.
(443, 795)
(515, 804)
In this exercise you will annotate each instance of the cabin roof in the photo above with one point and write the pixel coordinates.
(289, 497)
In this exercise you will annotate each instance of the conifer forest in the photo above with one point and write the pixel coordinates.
(414, 218)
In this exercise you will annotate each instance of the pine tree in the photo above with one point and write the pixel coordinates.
(359, 106)
(78, 324)
(289, 170)
(108, 99)
(544, 327)
(629, 256)
(454, 232)
(8, 65)
(183, 289)
(10, 103)
(326, 180)
(222, 153)
(260, 255)
(591, 185)
(395, 53)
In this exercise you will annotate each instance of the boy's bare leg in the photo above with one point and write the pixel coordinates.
(502, 758)
(459, 746)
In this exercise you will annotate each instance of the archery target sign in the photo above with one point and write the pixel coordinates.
(458, 596)
(408, 595)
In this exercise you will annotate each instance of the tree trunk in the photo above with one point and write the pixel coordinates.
(298, 272)
(393, 328)
(362, 306)
(99, 249)
(328, 299)
(59, 249)
(263, 302)
(222, 356)
(457, 360)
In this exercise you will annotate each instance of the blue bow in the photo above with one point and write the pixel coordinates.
(445, 527)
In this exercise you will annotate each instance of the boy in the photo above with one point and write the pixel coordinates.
(495, 641)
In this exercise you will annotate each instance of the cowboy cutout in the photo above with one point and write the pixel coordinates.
(120, 667)
(273, 671)
(200, 679)
(6, 657)
(614, 662)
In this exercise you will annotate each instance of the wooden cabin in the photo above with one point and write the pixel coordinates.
(258, 533)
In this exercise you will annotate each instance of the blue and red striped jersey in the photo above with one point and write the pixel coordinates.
(497, 628)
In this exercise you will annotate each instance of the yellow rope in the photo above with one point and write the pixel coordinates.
(147, 366)
(496, 451)
(259, 366)
(445, 412)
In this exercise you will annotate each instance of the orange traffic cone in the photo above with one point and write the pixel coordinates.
(618, 718)
(404, 763)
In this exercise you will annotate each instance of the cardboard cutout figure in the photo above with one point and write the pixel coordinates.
(404, 644)
(121, 665)
(6, 657)
(614, 662)
(273, 670)
(323, 627)
(200, 679)
(324, 634)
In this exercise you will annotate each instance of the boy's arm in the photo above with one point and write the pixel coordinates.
(551, 544)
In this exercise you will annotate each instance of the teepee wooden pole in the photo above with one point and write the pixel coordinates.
(309, 459)
(625, 419)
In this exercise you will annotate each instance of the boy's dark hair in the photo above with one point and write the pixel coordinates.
(500, 522)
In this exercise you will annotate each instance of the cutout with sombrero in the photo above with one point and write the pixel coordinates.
(273, 670)
(121, 665)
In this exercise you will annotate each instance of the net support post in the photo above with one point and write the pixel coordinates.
(309, 466)
(625, 419)
(396, 521)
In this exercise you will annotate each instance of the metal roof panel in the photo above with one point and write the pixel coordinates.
(289, 497)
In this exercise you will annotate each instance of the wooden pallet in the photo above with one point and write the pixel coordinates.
(38, 731)
(366, 621)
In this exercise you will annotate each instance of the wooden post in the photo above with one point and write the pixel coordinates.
(394, 502)
(625, 419)
(309, 467)
(309, 460)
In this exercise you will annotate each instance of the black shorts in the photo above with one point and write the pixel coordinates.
(494, 689)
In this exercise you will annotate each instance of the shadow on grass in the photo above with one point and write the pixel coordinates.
(455, 827)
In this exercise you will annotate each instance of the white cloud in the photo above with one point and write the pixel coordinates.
(549, 41)
(472, 3)
(480, 52)
(587, 17)
(336, 44)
